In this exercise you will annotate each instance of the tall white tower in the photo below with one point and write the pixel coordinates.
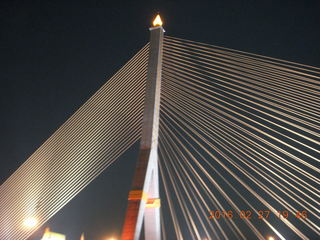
(143, 199)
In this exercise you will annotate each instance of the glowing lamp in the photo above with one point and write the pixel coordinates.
(157, 21)
(271, 238)
(30, 222)
(53, 236)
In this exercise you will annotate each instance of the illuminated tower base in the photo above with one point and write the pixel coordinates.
(143, 200)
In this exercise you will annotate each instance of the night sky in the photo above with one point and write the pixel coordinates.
(54, 56)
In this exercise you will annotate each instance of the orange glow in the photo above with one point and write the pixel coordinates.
(153, 203)
(30, 222)
(157, 21)
(137, 195)
(271, 238)
(52, 235)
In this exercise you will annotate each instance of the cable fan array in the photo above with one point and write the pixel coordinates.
(238, 145)
(85, 145)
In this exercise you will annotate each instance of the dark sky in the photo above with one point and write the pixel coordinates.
(54, 55)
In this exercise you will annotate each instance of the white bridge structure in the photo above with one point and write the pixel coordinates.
(229, 147)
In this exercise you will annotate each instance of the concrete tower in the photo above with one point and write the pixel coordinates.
(143, 199)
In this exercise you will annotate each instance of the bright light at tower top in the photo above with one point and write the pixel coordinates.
(157, 21)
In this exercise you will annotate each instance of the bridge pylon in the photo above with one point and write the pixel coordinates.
(143, 199)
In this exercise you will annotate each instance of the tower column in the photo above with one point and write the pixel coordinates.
(143, 199)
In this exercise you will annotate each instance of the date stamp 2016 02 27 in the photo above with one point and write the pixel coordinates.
(249, 214)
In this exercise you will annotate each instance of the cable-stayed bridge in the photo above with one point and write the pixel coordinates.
(238, 146)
